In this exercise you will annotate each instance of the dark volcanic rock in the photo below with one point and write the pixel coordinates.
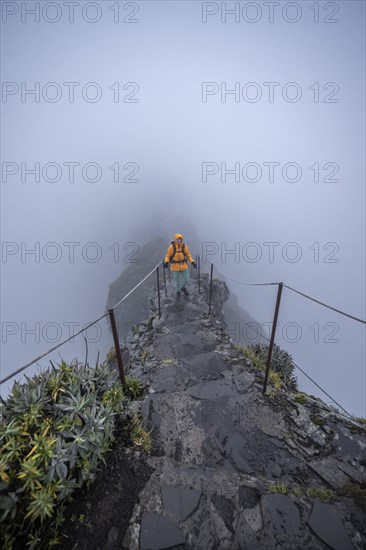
(158, 532)
(180, 501)
(284, 514)
(326, 522)
(212, 389)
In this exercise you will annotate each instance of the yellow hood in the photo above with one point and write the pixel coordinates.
(178, 236)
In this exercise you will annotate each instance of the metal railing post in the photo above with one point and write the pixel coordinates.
(157, 281)
(118, 349)
(209, 302)
(166, 294)
(273, 333)
(199, 274)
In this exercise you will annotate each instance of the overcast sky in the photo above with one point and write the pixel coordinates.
(246, 117)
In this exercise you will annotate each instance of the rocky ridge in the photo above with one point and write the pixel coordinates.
(233, 468)
(230, 468)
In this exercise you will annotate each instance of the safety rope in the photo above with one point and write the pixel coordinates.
(50, 350)
(327, 394)
(134, 288)
(298, 292)
(242, 282)
(309, 377)
(325, 305)
(225, 275)
(77, 333)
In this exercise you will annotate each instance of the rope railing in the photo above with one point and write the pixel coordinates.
(138, 284)
(322, 389)
(110, 312)
(274, 324)
(303, 372)
(327, 306)
(294, 290)
(50, 350)
(243, 282)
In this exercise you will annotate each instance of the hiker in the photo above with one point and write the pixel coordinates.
(177, 256)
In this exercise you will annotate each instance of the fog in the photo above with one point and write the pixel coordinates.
(247, 126)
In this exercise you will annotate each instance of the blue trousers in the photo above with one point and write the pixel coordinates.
(177, 279)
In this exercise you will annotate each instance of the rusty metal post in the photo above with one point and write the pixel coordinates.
(118, 349)
(209, 302)
(166, 294)
(275, 317)
(157, 281)
(199, 274)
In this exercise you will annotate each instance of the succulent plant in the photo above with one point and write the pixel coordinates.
(55, 430)
(281, 362)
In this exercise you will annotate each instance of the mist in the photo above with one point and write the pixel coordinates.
(120, 119)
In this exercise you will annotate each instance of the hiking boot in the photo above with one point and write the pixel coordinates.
(185, 291)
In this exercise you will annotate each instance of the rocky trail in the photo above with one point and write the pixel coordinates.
(230, 468)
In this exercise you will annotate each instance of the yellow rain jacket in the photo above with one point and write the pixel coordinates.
(178, 263)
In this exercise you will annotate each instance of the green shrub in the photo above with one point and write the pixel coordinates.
(111, 355)
(360, 420)
(134, 387)
(318, 420)
(275, 379)
(281, 362)
(54, 431)
(114, 398)
(301, 398)
(139, 436)
(320, 493)
(257, 361)
(278, 488)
